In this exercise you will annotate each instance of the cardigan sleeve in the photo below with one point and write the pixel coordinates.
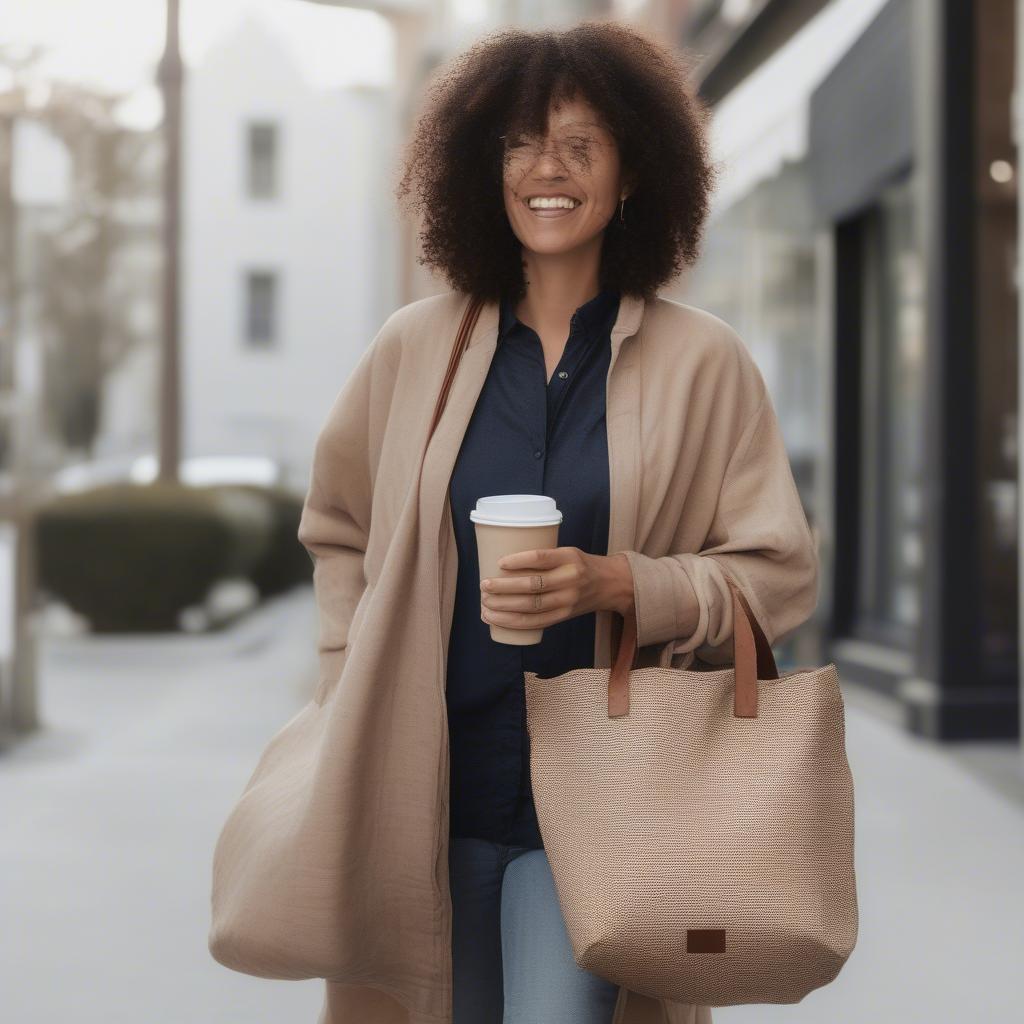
(335, 523)
(759, 536)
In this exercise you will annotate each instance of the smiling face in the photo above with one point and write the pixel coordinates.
(574, 178)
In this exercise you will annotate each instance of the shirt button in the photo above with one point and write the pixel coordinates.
(563, 374)
(538, 454)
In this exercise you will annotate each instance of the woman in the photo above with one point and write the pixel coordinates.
(550, 237)
(388, 840)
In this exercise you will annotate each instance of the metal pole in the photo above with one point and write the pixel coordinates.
(170, 77)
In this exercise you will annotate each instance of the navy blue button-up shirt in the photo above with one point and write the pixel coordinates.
(527, 435)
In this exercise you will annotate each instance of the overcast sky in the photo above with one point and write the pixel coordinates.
(115, 44)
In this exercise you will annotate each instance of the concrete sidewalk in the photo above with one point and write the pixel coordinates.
(111, 813)
(939, 846)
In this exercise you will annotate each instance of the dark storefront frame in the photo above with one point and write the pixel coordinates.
(902, 103)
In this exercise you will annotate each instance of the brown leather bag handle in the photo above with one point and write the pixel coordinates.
(752, 659)
(469, 319)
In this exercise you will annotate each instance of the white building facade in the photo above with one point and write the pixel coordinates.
(288, 260)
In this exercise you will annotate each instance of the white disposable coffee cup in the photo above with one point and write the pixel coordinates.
(505, 524)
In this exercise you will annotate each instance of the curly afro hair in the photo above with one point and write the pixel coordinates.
(507, 82)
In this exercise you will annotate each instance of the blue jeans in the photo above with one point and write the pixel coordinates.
(512, 960)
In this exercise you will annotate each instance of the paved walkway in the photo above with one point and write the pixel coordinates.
(111, 815)
(111, 812)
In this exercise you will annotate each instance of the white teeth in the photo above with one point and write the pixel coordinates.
(553, 203)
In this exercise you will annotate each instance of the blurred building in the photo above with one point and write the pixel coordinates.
(287, 245)
(864, 243)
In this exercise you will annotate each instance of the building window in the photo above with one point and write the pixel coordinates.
(262, 159)
(261, 308)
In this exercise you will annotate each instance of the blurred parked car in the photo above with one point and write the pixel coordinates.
(142, 469)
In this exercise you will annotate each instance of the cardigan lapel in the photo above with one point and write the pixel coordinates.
(622, 416)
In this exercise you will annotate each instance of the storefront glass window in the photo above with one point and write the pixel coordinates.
(757, 272)
(892, 319)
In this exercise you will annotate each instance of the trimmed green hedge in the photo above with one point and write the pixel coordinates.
(285, 563)
(130, 557)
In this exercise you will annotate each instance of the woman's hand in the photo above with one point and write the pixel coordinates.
(557, 584)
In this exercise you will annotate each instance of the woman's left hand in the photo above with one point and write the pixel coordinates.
(557, 584)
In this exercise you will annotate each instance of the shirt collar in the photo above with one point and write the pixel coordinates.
(597, 314)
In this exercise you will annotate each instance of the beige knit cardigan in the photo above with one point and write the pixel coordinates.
(345, 851)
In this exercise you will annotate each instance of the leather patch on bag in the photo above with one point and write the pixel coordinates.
(705, 940)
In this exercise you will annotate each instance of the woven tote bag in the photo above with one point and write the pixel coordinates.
(699, 824)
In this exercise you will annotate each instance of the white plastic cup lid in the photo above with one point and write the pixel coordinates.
(516, 510)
